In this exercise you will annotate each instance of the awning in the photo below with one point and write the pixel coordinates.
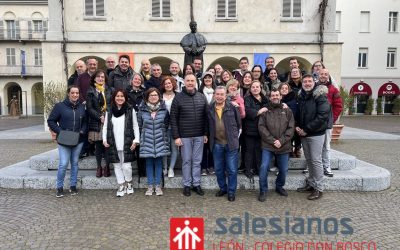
(361, 88)
(389, 88)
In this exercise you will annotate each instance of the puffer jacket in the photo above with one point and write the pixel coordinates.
(252, 106)
(119, 79)
(189, 115)
(154, 140)
(276, 124)
(314, 113)
(94, 103)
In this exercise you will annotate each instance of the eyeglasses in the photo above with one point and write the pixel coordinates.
(110, 62)
(154, 95)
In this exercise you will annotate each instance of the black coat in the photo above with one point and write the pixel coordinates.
(153, 82)
(189, 115)
(120, 80)
(94, 103)
(291, 100)
(252, 106)
(135, 97)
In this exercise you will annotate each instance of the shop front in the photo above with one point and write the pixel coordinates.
(361, 92)
(388, 92)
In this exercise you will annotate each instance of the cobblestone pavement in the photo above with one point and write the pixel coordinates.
(7, 123)
(385, 123)
(96, 219)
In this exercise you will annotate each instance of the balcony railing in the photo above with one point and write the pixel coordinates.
(22, 35)
(15, 70)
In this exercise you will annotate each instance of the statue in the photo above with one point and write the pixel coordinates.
(14, 106)
(193, 44)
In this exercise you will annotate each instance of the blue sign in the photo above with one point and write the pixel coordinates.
(259, 59)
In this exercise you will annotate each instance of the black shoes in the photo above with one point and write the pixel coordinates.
(328, 173)
(281, 191)
(60, 192)
(220, 193)
(307, 188)
(262, 196)
(231, 197)
(198, 190)
(315, 195)
(186, 191)
(73, 190)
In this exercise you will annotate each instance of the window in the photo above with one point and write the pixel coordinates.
(37, 26)
(393, 21)
(10, 56)
(11, 29)
(94, 8)
(338, 23)
(363, 57)
(291, 8)
(38, 57)
(226, 9)
(391, 58)
(364, 21)
(161, 8)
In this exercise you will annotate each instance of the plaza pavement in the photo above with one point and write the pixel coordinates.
(96, 219)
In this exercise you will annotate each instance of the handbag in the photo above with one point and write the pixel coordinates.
(68, 138)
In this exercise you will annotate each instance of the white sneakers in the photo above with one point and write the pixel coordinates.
(171, 173)
(129, 188)
(149, 191)
(159, 191)
(121, 191)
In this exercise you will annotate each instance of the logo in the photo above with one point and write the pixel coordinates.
(389, 87)
(360, 87)
(186, 234)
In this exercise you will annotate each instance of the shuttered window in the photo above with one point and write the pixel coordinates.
(38, 57)
(94, 8)
(161, 8)
(10, 53)
(291, 8)
(364, 21)
(226, 9)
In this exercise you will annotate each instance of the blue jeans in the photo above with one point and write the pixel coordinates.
(282, 161)
(225, 160)
(154, 170)
(67, 154)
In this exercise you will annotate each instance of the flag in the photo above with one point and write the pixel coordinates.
(23, 63)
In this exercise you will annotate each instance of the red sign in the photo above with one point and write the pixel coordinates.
(186, 234)
(361, 88)
(389, 88)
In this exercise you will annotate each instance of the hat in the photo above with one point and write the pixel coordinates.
(207, 73)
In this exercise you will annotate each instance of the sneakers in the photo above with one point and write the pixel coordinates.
(305, 171)
(73, 190)
(204, 172)
(121, 191)
(171, 173)
(159, 191)
(273, 169)
(210, 170)
(149, 191)
(129, 188)
(60, 192)
(328, 172)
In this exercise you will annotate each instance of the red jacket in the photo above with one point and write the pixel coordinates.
(335, 100)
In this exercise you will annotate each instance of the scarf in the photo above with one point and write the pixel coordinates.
(119, 112)
(100, 88)
(153, 107)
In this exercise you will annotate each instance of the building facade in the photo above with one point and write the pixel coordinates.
(371, 43)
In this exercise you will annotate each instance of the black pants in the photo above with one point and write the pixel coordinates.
(100, 152)
(252, 154)
(296, 141)
(207, 161)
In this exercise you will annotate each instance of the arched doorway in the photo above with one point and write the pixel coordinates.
(164, 63)
(388, 92)
(13, 89)
(283, 65)
(37, 98)
(226, 62)
(361, 92)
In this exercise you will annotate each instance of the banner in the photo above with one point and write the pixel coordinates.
(23, 63)
(259, 59)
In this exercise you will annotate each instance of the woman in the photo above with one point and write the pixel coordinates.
(168, 89)
(135, 91)
(69, 115)
(273, 82)
(225, 77)
(207, 87)
(246, 83)
(257, 73)
(153, 119)
(189, 70)
(234, 97)
(121, 136)
(295, 80)
(255, 104)
(97, 100)
(316, 67)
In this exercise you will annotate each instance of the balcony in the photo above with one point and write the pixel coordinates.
(30, 70)
(22, 35)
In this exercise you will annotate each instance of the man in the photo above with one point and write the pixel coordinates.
(198, 66)
(174, 69)
(218, 71)
(155, 79)
(83, 80)
(312, 122)
(122, 75)
(276, 127)
(336, 103)
(243, 67)
(145, 67)
(110, 64)
(193, 44)
(189, 129)
(224, 123)
(269, 64)
(293, 64)
(80, 68)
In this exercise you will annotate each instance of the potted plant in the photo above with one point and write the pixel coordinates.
(396, 106)
(379, 109)
(370, 106)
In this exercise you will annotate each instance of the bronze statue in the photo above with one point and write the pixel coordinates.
(14, 106)
(193, 44)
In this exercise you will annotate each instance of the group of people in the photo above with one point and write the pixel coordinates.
(210, 118)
